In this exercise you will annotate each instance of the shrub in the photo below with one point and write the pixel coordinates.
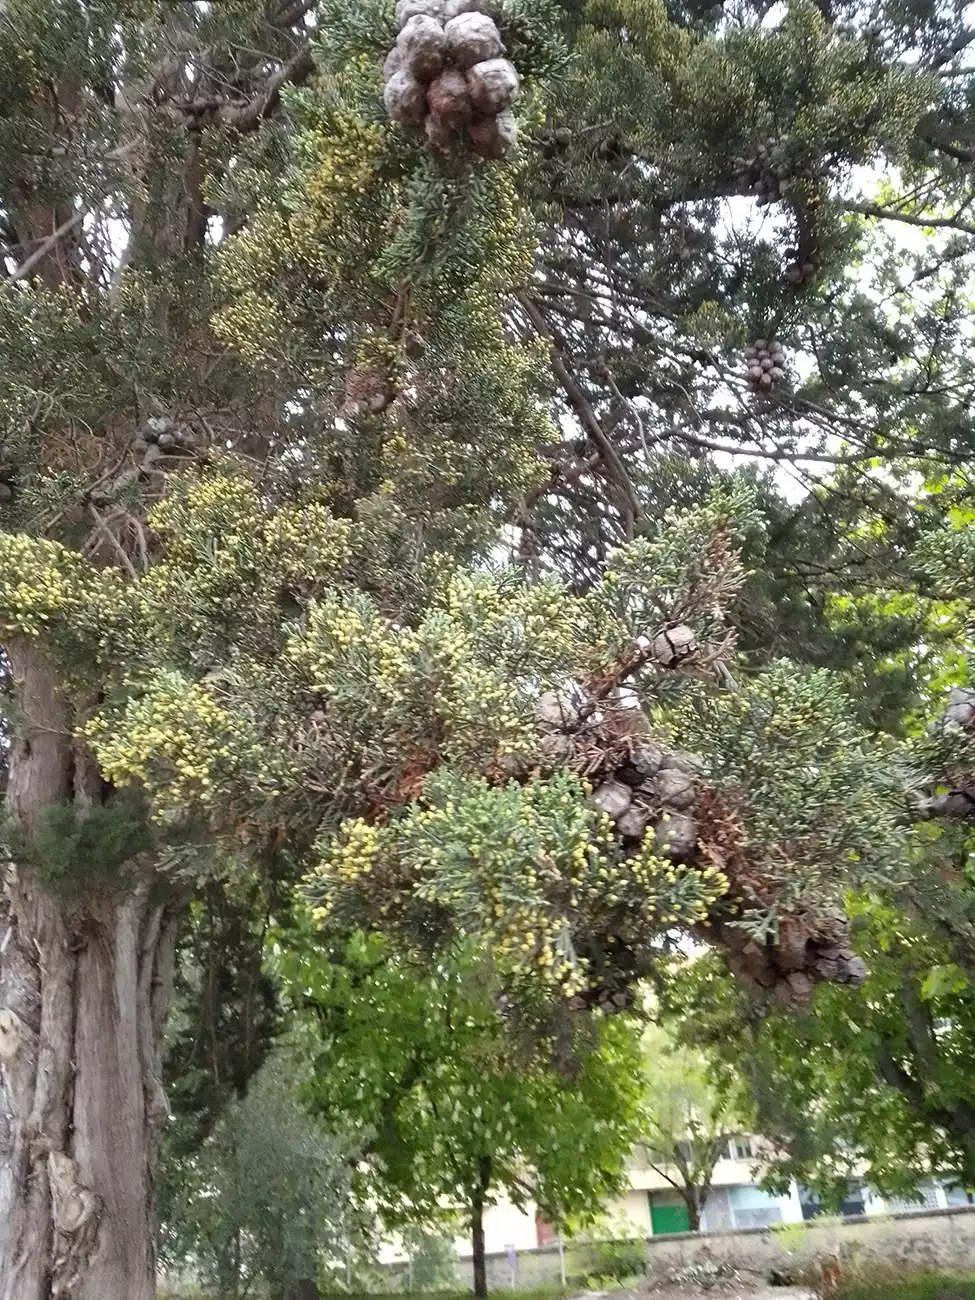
(618, 1259)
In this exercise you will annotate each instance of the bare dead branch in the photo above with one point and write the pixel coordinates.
(39, 254)
(248, 116)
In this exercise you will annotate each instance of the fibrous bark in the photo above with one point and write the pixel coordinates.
(84, 983)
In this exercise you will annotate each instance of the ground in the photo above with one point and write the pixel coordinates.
(731, 1292)
(740, 1288)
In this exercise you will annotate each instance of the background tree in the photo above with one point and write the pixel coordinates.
(432, 1258)
(649, 307)
(267, 1198)
(224, 1015)
(687, 1120)
(420, 1061)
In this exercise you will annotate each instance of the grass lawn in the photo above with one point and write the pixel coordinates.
(932, 1287)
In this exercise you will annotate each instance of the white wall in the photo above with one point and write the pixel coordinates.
(504, 1225)
(630, 1213)
(791, 1205)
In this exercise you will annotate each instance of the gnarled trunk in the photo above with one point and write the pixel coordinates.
(84, 984)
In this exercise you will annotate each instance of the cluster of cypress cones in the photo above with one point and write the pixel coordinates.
(163, 432)
(766, 173)
(765, 360)
(448, 76)
(649, 790)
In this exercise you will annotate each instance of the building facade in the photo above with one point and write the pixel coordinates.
(652, 1206)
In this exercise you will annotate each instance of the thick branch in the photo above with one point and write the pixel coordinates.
(248, 116)
(961, 42)
(583, 408)
(958, 1120)
(910, 218)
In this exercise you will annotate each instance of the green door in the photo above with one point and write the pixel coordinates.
(668, 1218)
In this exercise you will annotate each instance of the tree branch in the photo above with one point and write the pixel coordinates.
(958, 1120)
(960, 43)
(587, 416)
(779, 453)
(662, 1171)
(38, 255)
(248, 116)
(952, 150)
(909, 218)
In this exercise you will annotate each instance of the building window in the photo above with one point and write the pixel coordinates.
(717, 1211)
(753, 1208)
(762, 1217)
(811, 1205)
(740, 1148)
(853, 1205)
(856, 1199)
(928, 1194)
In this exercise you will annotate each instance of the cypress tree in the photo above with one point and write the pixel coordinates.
(288, 356)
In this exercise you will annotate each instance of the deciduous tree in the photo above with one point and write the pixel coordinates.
(454, 1111)
(688, 1119)
(267, 1198)
(873, 1084)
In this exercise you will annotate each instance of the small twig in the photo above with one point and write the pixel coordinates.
(629, 405)
(140, 540)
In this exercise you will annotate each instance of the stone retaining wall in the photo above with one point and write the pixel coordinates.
(922, 1239)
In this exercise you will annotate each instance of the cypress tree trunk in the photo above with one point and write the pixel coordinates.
(84, 988)
(477, 1227)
